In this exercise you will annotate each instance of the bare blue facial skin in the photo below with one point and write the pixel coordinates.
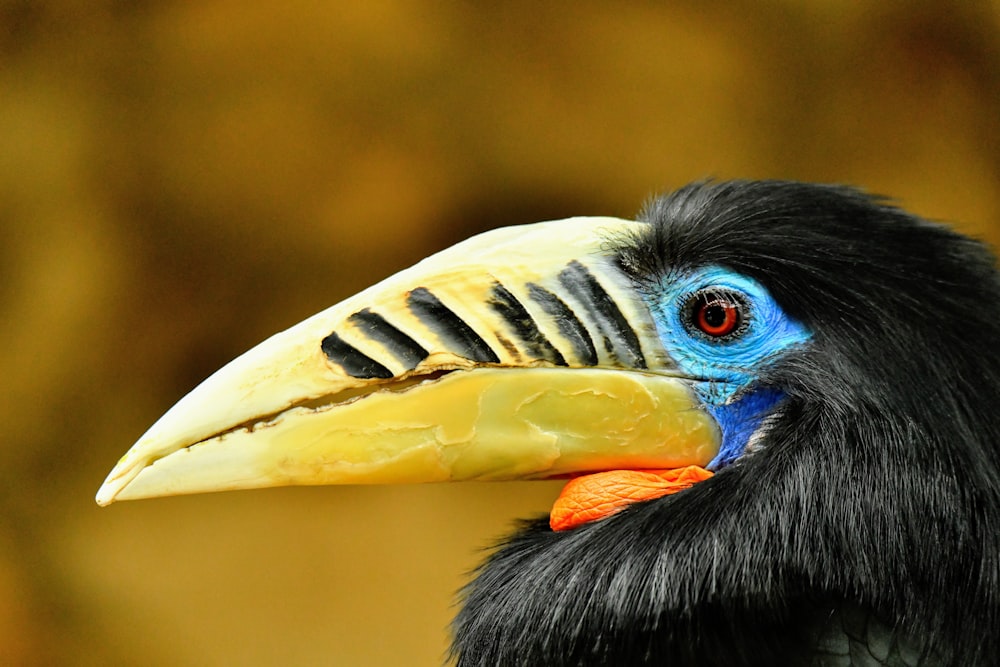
(724, 369)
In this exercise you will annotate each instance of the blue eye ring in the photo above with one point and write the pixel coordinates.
(728, 364)
(716, 314)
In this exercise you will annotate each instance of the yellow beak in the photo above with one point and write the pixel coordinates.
(522, 353)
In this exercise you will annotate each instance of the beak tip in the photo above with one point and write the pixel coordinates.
(115, 483)
(105, 496)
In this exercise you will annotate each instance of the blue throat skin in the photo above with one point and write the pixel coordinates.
(724, 370)
(739, 420)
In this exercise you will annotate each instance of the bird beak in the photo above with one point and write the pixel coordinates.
(522, 353)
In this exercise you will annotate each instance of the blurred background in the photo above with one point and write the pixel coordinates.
(179, 180)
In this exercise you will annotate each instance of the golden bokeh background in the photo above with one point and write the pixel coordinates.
(179, 180)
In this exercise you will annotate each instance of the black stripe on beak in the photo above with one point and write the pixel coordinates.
(406, 350)
(521, 322)
(452, 329)
(569, 324)
(619, 338)
(354, 362)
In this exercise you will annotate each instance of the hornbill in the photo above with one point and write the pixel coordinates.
(775, 403)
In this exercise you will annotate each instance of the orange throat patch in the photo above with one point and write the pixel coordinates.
(591, 497)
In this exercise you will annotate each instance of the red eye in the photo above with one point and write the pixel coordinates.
(716, 315)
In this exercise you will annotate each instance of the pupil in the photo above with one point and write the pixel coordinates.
(715, 315)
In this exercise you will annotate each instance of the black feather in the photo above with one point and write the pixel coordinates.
(874, 495)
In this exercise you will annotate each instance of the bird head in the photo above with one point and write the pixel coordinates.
(822, 358)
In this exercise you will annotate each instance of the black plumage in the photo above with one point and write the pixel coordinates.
(868, 514)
